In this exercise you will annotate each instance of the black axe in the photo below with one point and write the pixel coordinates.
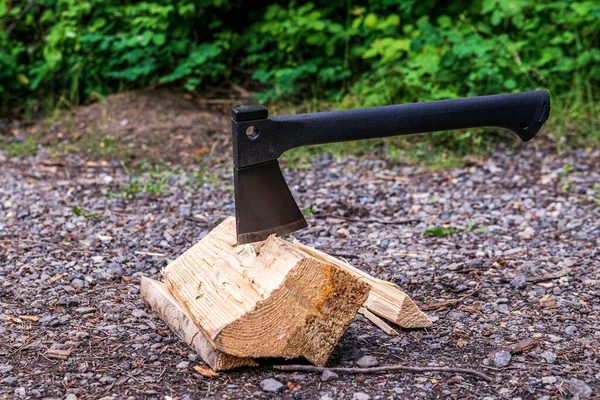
(264, 204)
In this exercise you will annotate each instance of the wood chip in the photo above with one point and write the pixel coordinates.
(31, 318)
(61, 354)
(14, 320)
(206, 371)
(380, 323)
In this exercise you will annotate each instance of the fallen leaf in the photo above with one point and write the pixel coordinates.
(206, 371)
(290, 385)
(460, 344)
(9, 215)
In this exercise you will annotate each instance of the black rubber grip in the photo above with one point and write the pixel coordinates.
(523, 113)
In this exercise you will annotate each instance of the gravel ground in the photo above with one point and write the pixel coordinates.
(518, 259)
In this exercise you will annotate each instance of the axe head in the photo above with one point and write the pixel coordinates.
(264, 204)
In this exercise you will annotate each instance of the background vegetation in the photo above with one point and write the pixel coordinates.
(353, 53)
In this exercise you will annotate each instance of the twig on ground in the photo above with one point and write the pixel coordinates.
(368, 221)
(547, 277)
(144, 253)
(375, 370)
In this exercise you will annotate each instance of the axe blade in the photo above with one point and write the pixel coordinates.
(264, 204)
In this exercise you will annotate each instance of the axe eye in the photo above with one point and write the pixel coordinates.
(252, 132)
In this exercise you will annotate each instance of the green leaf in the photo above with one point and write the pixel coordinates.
(159, 39)
(371, 20)
(510, 84)
(77, 211)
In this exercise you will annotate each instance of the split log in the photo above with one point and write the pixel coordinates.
(385, 298)
(269, 299)
(160, 300)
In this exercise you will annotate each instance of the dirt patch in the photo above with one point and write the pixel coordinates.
(143, 126)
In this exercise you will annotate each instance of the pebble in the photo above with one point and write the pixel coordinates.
(329, 375)
(549, 380)
(502, 358)
(20, 392)
(183, 365)
(548, 356)
(519, 282)
(554, 338)
(361, 396)
(579, 388)
(4, 368)
(271, 385)
(70, 396)
(367, 361)
(571, 330)
(9, 381)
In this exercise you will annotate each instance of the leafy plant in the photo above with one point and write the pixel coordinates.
(80, 213)
(359, 53)
(439, 231)
(26, 147)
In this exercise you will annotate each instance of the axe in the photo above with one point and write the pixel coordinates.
(264, 204)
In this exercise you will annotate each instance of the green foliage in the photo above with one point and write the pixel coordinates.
(439, 231)
(153, 181)
(80, 213)
(360, 53)
(16, 148)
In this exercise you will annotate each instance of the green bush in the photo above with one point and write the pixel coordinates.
(355, 53)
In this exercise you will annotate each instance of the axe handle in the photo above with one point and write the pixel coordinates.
(523, 113)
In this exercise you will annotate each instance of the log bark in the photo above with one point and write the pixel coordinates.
(270, 299)
(160, 300)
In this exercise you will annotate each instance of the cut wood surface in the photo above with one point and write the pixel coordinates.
(160, 300)
(270, 299)
(385, 298)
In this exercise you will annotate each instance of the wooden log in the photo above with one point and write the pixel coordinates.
(385, 298)
(269, 299)
(160, 300)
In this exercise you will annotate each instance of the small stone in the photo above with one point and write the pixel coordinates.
(526, 234)
(183, 365)
(548, 380)
(4, 368)
(328, 375)
(37, 304)
(554, 338)
(9, 381)
(77, 283)
(398, 390)
(107, 380)
(579, 388)
(571, 330)
(20, 392)
(519, 282)
(549, 357)
(361, 396)
(71, 396)
(367, 361)
(502, 358)
(271, 385)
